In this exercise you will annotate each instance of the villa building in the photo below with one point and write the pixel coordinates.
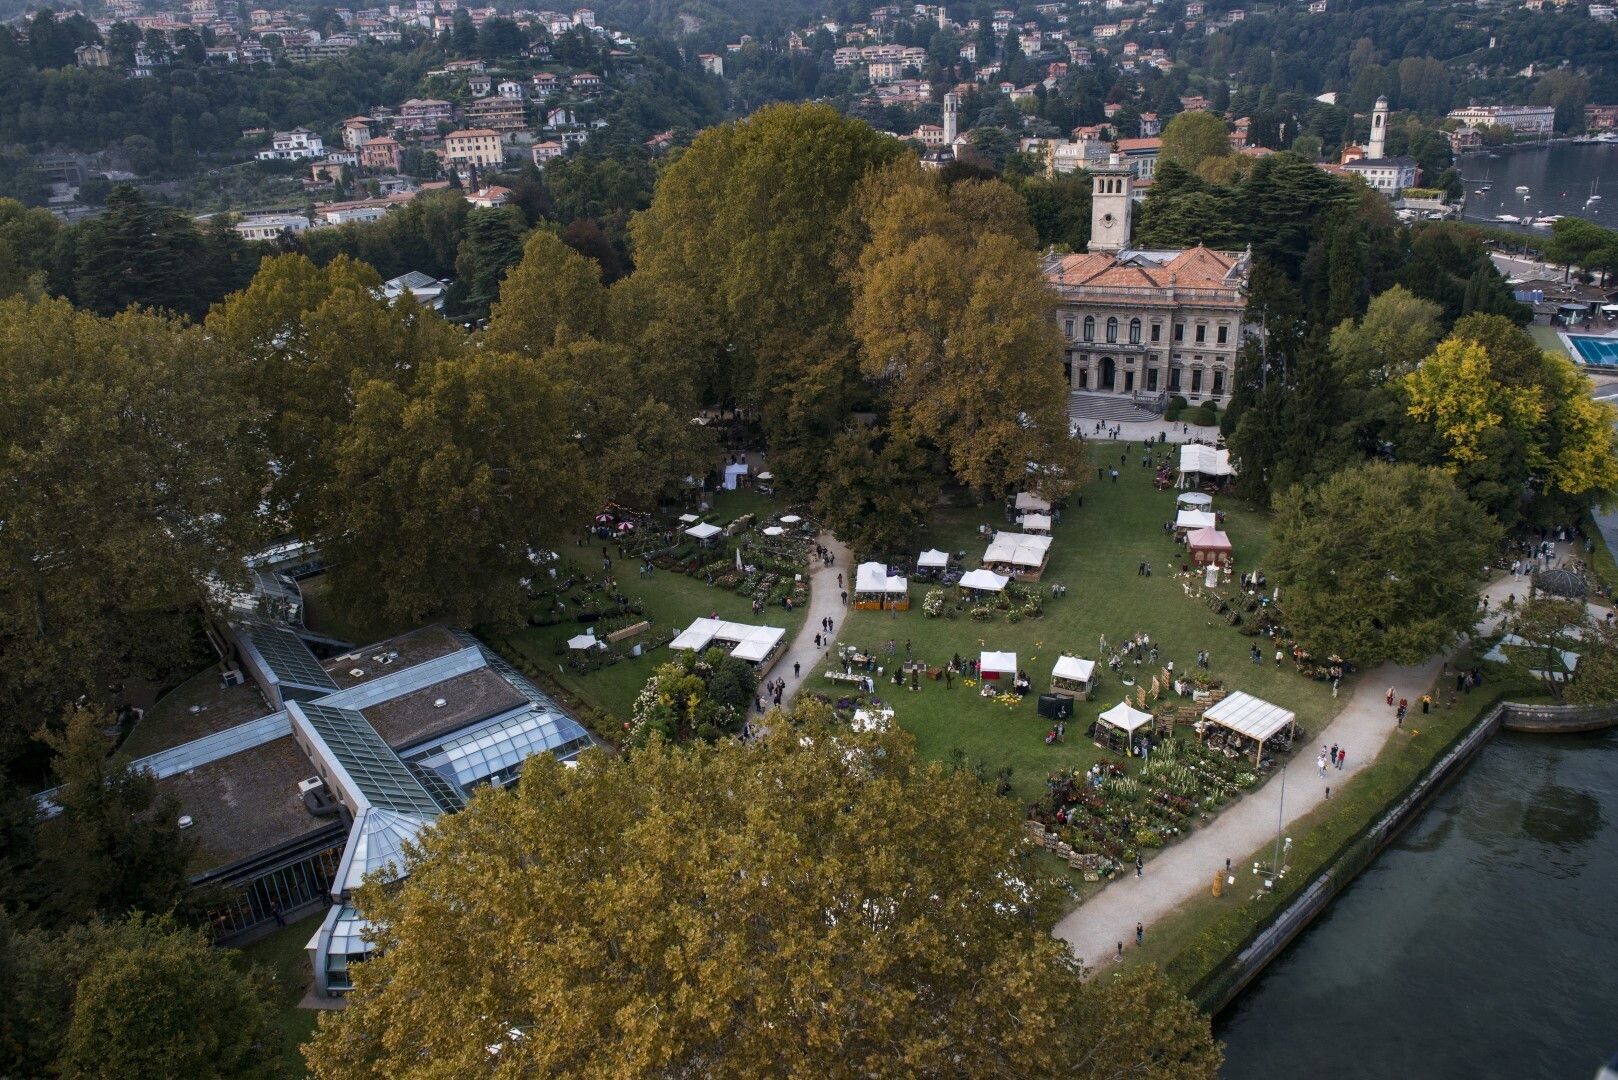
(1146, 324)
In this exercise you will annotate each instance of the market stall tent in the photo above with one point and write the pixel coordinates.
(734, 473)
(983, 580)
(877, 590)
(1073, 677)
(703, 531)
(1122, 719)
(1192, 520)
(992, 665)
(1027, 501)
(583, 641)
(932, 559)
(1209, 547)
(1035, 523)
(1022, 555)
(774, 530)
(1194, 500)
(758, 645)
(1202, 462)
(1252, 718)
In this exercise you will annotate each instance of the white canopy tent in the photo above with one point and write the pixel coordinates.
(704, 531)
(774, 530)
(873, 577)
(790, 519)
(1125, 717)
(583, 641)
(734, 473)
(1024, 554)
(992, 665)
(983, 580)
(1199, 460)
(1073, 676)
(872, 719)
(1251, 717)
(932, 559)
(755, 644)
(1035, 523)
(689, 519)
(1193, 520)
(1027, 501)
(1194, 500)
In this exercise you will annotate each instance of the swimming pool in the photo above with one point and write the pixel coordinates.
(1599, 351)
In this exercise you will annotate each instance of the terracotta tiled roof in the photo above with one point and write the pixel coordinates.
(1198, 267)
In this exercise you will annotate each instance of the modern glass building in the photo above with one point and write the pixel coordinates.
(293, 809)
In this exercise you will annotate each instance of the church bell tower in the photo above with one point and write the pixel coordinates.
(1111, 199)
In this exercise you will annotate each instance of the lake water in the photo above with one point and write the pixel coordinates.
(1483, 944)
(1558, 179)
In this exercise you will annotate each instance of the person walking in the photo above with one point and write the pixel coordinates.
(1399, 717)
(817, 639)
(1342, 756)
(1140, 865)
(796, 668)
(1334, 753)
(1334, 683)
(1389, 698)
(839, 581)
(1140, 934)
(1320, 765)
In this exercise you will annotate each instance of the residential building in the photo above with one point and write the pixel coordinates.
(357, 131)
(295, 145)
(1140, 155)
(481, 147)
(381, 153)
(549, 150)
(498, 113)
(424, 114)
(1146, 324)
(586, 81)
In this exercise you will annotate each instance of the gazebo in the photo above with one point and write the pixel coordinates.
(876, 590)
(993, 665)
(704, 532)
(932, 561)
(1194, 500)
(1250, 719)
(1209, 546)
(1119, 724)
(1073, 677)
(981, 580)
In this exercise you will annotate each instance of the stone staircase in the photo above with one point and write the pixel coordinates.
(1112, 408)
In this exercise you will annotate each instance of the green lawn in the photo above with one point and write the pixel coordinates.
(1097, 551)
(671, 601)
(281, 957)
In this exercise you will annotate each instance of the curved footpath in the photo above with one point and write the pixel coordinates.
(1185, 870)
(825, 601)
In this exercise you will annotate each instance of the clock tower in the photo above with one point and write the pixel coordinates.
(1111, 199)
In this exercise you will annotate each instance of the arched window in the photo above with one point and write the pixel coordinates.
(1089, 328)
(1112, 329)
(1134, 331)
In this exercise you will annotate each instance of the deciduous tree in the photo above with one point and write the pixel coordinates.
(129, 472)
(1380, 562)
(820, 903)
(443, 489)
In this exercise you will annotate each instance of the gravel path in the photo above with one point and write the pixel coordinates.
(825, 601)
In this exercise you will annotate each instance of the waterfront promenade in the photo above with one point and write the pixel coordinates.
(1185, 870)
